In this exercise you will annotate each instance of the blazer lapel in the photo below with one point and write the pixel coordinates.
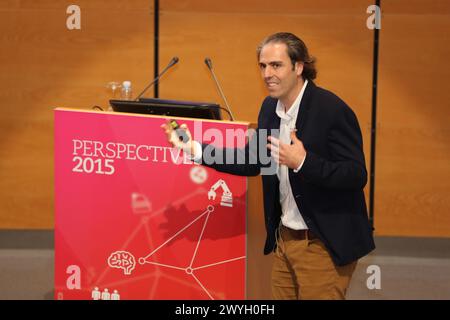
(305, 105)
(274, 122)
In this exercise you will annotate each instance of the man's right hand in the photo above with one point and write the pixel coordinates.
(174, 139)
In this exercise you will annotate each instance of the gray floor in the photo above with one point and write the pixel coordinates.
(411, 268)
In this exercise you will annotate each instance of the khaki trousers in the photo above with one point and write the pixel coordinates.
(303, 269)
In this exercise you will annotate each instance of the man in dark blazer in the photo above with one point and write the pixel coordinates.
(315, 211)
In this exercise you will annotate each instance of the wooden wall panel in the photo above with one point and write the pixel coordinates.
(44, 65)
(228, 32)
(285, 7)
(413, 146)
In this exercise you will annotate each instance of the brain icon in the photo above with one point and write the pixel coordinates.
(122, 260)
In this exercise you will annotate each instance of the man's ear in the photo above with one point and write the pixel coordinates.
(299, 68)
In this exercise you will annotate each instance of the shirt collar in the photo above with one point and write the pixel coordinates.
(293, 110)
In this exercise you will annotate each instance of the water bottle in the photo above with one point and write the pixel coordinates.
(126, 90)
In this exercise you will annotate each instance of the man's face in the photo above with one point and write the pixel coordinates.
(281, 78)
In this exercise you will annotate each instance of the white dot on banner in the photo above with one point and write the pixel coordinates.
(198, 174)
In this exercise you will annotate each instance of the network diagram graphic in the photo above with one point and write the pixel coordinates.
(190, 270)
(126, 261)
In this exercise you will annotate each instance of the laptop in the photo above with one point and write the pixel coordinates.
(163, 107)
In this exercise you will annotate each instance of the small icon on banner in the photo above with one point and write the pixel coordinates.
(96, 294)
(140, 203)
(105, 295)
(227, 196)
(115, 295)
(198, 174)
(122, 260)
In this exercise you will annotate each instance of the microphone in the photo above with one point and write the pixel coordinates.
(172, 62)
(208, 63)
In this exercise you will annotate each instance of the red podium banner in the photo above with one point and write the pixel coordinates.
(137, 219)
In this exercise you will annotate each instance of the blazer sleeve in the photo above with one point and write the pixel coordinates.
(346, 169)
(252, 160)
(237, 161)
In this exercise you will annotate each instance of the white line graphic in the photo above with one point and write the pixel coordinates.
(174, 236)
(162, 265)
(143, 226)
(143, 223)
(201, 285)
(217, 263)
(200, 238)
(189, 270)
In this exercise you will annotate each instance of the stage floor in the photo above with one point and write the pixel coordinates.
(411, 268)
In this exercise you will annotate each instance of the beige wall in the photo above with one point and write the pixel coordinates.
(413, 146)
(44, 65)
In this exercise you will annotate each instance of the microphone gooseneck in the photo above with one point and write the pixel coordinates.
(208, 63)
(172, 62)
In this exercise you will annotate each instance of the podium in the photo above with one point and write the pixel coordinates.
(137, 219)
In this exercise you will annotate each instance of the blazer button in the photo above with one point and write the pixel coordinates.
(297, 196)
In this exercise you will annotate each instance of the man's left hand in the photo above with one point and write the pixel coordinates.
(291, 155)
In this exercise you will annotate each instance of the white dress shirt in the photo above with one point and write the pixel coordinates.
(290, 214)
